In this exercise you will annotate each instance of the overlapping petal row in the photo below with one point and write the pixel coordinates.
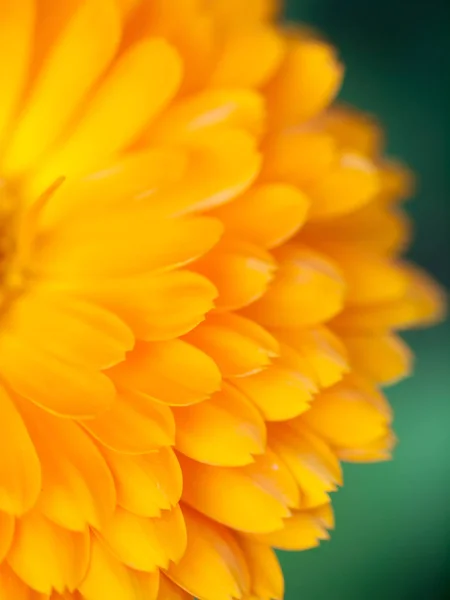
(201, 304)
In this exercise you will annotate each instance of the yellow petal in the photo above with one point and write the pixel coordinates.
(249, 57)
(20, 469)
(139, 542)
(383, 359)
(254, 498)
(303, 530)
(157, 306)
(348, 414)
(323, 350)
(312, 463)
(45, 556)
(239, 346)
(133, 424)
(146, 484)
(240, 271)
(77, 485)
(308, 65)
(226, 430)
(16, 35)
(108, 578)
(213, 566)
(73, 251)
(265, 572)
(154, 369)
(308, 289)
(267, 215)
(290, 380)
(234, 107)
(87, 42)
(126, 89)
(7, 526)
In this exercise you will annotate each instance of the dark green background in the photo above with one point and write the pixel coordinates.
(392, 540)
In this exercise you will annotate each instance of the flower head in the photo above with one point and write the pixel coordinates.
(199, 288)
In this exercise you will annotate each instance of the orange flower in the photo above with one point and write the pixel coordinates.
(199, 285)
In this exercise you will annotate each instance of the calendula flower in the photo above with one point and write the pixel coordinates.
(199, 285)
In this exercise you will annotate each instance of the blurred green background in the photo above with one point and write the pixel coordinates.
(392, 539)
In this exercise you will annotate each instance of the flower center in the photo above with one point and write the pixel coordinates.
(11, 277)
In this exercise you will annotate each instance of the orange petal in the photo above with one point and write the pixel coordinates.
(146, 484)
(16, 35)
(87, 41)
(265, 572)
(354, 131)
(308, 65)
(312, 463)
(7, 525)
(72, 251)
(383, 359)
(375, 451)
(126, 88)
(424, 304)
(373, 228)
(221, 166)
(157, 306)
(232, 13)
(189, 27)
(240, 271)
(352, 183)
(298, 157)
(303, 530)
(239, 346)
(348, 414)
(45, 556)
(323, 350)
(170, 591)
(75, 331)
(234, 107)
(254, 498)
(249, 57)
(267, 215)
(145, 544)
(107, 577)
(371, 279)
(20, 469)
(154, 369)
(135, 174)
(283, 390)
(226, 430)
(77, 486)
(60, 387)
(213, 566)
(11, 587)
(307, 290)
(133, 424)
